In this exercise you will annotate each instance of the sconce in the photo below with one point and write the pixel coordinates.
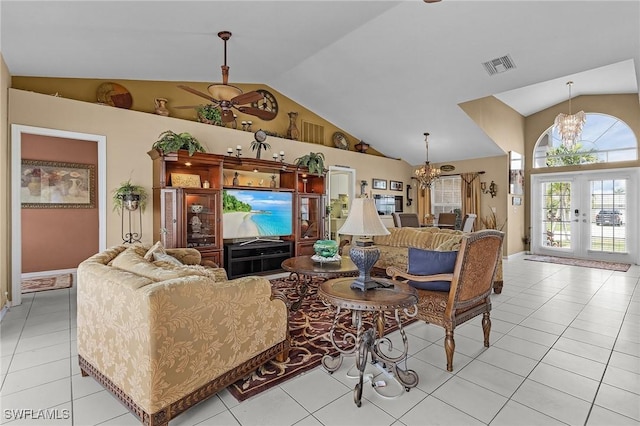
(363, 184)
(493, 188)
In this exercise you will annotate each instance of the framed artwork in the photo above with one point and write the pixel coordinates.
(395, 185)
(379, 183)
(57, 185)
(183, 180)
(516, 173)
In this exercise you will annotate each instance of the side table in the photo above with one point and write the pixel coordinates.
(394, 297)
(305, 269)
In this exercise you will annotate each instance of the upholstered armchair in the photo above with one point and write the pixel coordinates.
(450, 299)
(468, 222)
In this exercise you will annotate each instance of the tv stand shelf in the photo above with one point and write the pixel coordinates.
(255, 257)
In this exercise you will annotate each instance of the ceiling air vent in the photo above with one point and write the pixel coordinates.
(499, 65)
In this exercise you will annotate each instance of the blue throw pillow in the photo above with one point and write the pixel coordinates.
(431, 262)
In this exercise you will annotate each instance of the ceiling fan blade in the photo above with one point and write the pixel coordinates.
(247, 98)
(199, 93)
(227, 116)
(260, 113)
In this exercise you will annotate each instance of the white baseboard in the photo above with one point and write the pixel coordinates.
(4, 310)
(30, 275)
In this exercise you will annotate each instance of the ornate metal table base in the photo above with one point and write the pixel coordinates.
(370, 341)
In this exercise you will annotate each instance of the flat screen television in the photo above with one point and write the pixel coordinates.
(252, 213)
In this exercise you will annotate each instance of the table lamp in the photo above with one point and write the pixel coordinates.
(363, 221)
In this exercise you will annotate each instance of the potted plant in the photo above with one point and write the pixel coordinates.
(491, 222)
(169, 141)
(129, 196)
(314, 161)
(209, 114)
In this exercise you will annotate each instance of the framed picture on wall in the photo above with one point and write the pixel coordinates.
(395, 185)
(379, 183)
(57, 185)
(516, 173)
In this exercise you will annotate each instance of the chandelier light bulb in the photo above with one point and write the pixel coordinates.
(570, 126)
(427, 174)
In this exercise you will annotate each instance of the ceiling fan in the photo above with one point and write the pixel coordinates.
(227, 96)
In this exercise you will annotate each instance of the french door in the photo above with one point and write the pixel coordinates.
(586, 215)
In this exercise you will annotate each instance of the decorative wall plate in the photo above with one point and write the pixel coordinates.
(340, 140)
(115, 95)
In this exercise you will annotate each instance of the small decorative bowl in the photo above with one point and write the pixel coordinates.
(196, 208)
(326, 248)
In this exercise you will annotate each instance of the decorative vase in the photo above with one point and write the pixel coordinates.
(34, 186)
(235, 179)
(292, 131)
(196, 208)
(161, 107)
(74, 189)
(272, 184)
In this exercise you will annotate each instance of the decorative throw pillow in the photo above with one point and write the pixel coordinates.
(156, 248)
(431, 262)
(164, 257)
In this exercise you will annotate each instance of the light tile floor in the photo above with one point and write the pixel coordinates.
(565, 350)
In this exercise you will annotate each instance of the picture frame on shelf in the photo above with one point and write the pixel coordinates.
(395, 185)
(57, 185)
(379, 183)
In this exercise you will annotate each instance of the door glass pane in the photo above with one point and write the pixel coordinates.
(556, 214)
(608, 215)
(309, 216)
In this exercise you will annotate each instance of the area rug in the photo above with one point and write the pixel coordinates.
(611, 266)
(53, 282)
(309, 327)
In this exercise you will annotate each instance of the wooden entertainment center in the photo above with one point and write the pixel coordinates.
(188, 195)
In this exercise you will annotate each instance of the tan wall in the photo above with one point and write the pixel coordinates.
(130, 134)
(54, 239)
(625, 107)
(505, 127)
(496, 169)
(145, 92)
(5, 190)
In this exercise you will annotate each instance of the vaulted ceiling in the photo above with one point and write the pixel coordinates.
(384, 71)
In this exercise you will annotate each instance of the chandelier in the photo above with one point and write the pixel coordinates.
(570, 126)
(426, 174)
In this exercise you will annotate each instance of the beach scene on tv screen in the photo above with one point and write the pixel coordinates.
(251, 213)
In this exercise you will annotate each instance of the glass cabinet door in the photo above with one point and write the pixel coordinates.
(201, 219)
(309, 218)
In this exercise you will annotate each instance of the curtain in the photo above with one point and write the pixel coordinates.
(470, 196)
(424, 205)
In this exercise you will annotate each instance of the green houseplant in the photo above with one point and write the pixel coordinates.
(209, 114)
(169, 141)
(314, 161)
(129, 196)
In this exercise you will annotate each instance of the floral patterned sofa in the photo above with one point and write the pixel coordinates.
(394, 248)
(163, 336)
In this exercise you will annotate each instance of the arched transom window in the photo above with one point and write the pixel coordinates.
(604, 139)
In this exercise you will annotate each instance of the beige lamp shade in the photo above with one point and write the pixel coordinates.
(363, 219)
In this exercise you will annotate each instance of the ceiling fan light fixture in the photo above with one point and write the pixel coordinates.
(224, 92)
(427, 174)
(570, 126)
